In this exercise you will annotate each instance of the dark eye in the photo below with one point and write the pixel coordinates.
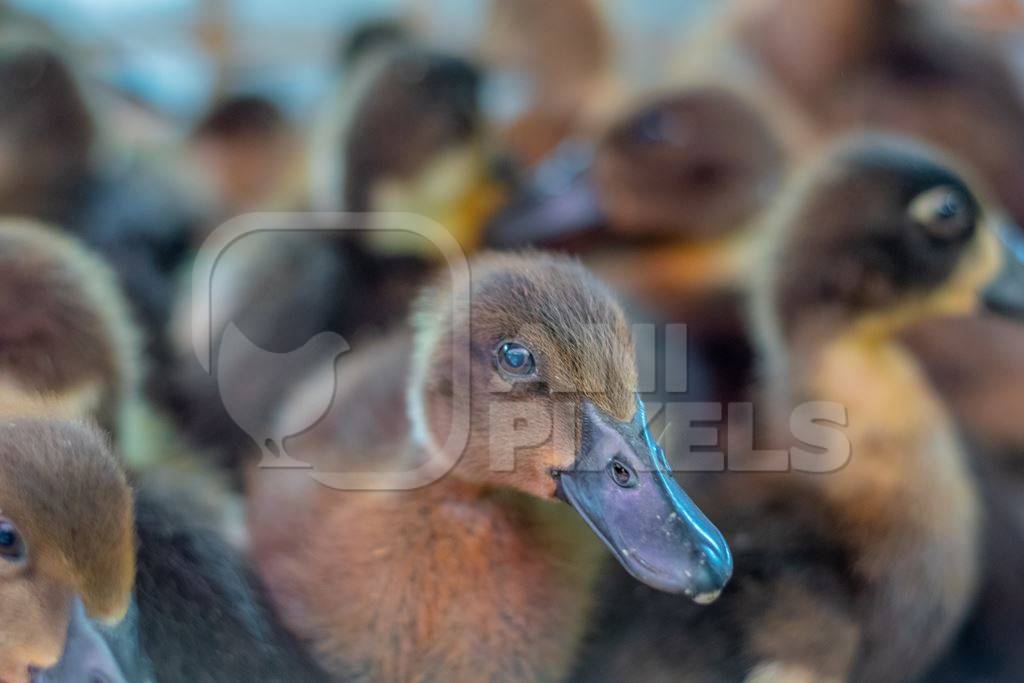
(622, 474)
(515, 360)
(944, 212)
(12, 548)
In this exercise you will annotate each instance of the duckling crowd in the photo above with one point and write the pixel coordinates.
(713, 377)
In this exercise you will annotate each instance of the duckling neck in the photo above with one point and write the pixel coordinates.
(905, 498)
(905, 503)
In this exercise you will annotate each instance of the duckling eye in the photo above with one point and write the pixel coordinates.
(621, 473)
(515, 360)
(12, 547)
(944, 213)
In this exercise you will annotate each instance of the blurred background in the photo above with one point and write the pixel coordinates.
(173, 58)
(652, 139)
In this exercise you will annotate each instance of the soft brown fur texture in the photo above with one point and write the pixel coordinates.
(64, 327)
(63, 489)
(480, 576)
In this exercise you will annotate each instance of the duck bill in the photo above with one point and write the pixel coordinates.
(557, 205)
(86, 656)
(622, 486)
(1005, 295)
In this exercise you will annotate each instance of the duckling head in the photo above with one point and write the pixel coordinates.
(67, 548)
(554, 413)
(411, 139)
(65, 332)
(692, 165)
(880, 234)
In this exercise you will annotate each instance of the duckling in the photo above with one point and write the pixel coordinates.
(857, 560)
(66, 331)
(240, 155)
(406, 136)
(372, 155)
(53, 169)
(672, 179)
(665, 209)
(841, 65)
(551, 72)
(66, 548)
(459, 564)
(64, 347)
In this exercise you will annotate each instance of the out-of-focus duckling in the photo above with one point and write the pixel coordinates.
(550, 66)
(66, 352)
(908, 67)
(856, 559)
(676, 180)
(664, 209)
(478, 574)
(407, 133)
(406, 138)
(241, 155)
(54, 168)
(67, 550)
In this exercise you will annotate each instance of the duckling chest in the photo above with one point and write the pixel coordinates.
(908, 506)
(447, 590)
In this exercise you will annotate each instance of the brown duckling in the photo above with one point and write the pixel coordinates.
(857, 559)
(460, 564)
(67, 551)
(908, 67)
(240, 155)
(557, 58)
(664, 209)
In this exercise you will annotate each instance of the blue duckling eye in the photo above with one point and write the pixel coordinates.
(12, 547)
(515, 360)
